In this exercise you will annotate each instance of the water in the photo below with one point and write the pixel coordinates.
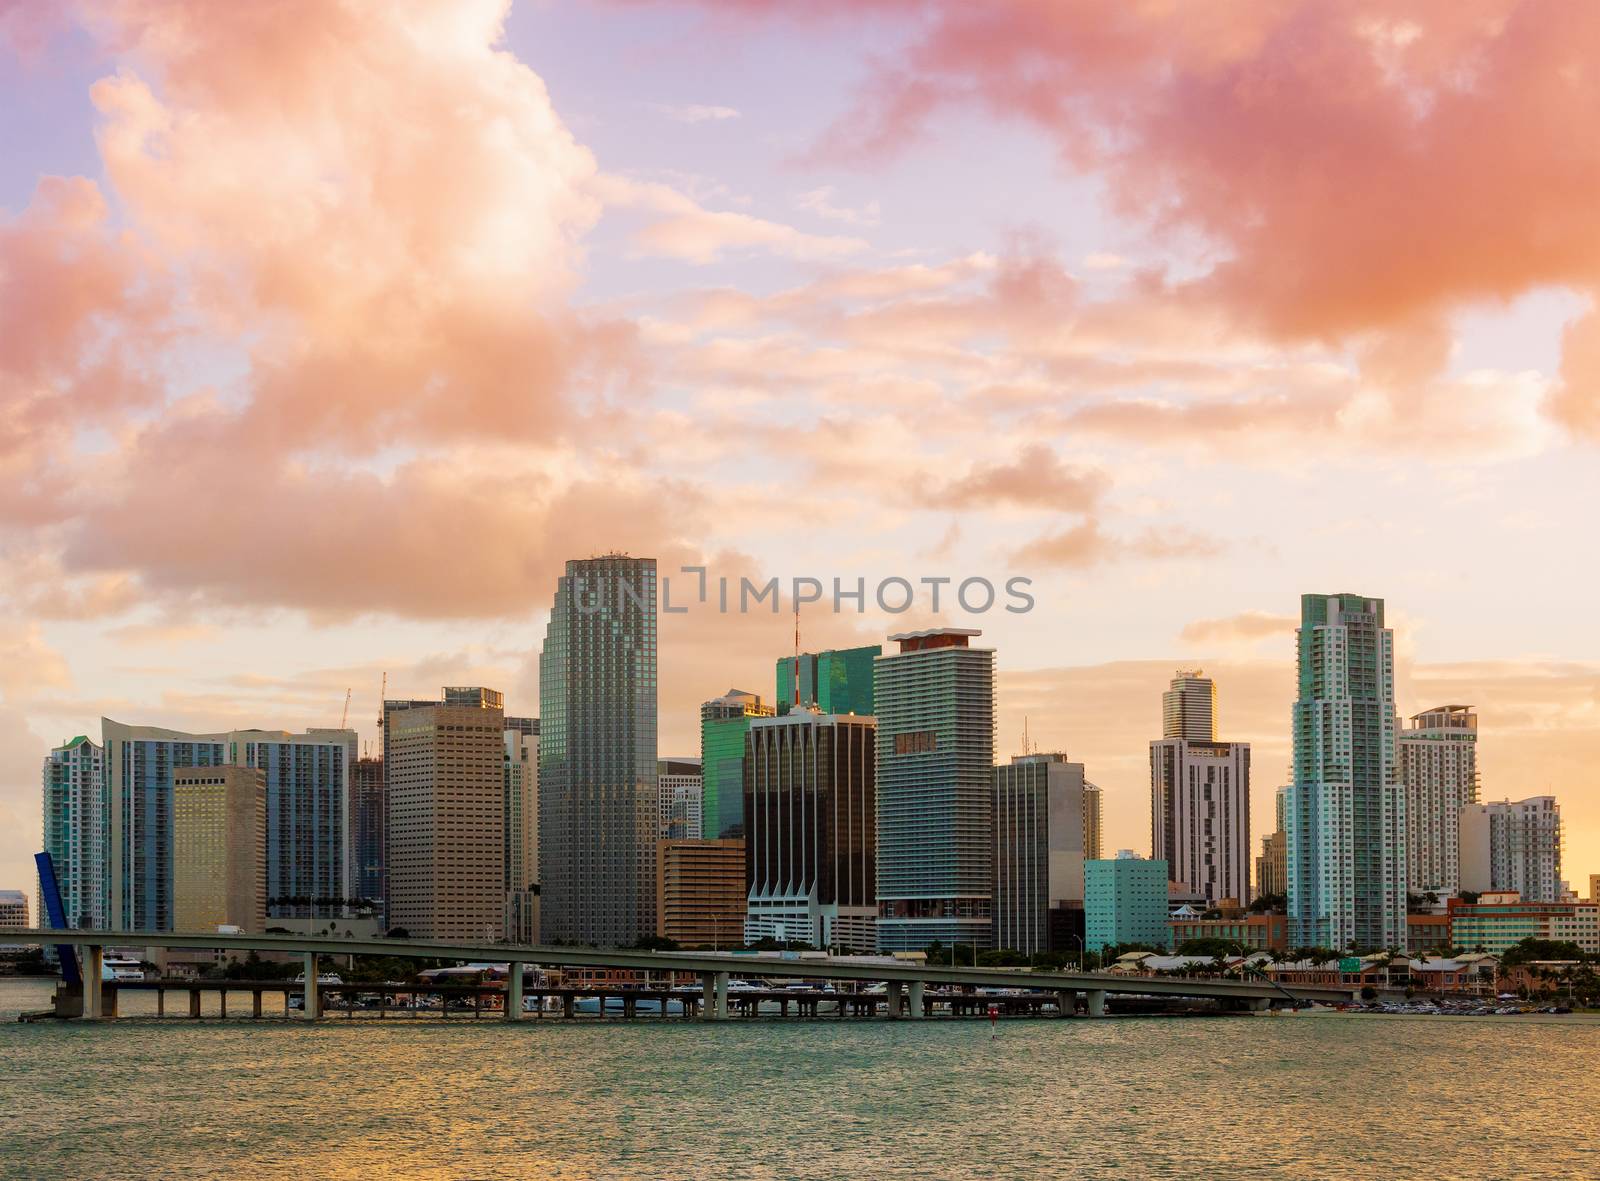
(1295, 1097)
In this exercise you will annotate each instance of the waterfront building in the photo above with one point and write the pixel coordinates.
(1439, 769)
(14, 911)
(520, 821)
(219, 839)
(679, 800)
(1513, 845)
(1038, 851)
(1272, 866)
(1125, 901)
(1345, 819)
(1093, 817)
(810, 829)
(75, 832)
(935, 702)
(444, 762)
(1501, 918)
(368, 816)
(724, 724)
(1200, 794)
(1427, 932)
(701, 892)
(1256, 932)
(597, 754)
(837, 681)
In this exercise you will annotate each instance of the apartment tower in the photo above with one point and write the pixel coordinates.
(1439, 769)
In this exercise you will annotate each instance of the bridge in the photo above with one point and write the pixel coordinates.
(906, 983)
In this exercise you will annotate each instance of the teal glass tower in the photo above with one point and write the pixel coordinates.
(597, 754)
(1345, 816)
(724, 726)
(837, 681)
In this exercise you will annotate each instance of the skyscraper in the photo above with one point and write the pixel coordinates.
(1200, 795)
(1346, 815)
(1513, 845)
(1439, 768)
(368, 816)
(1272, 866)
(1038, 849)
(445, 765)
(679, 800)
(520, 816)
(724, 723)
(75, 833)
(935, 703)
(1093, 815)
(836, 681)
(810, 829)
(309, 865)
(1125, 901)
(1189, 707)
(219, 829)
(597, 754)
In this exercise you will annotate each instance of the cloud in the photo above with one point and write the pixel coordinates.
(28, 664)
(1247, 627)
(697, 112)
(1086, 544)
(1036, 479)
(821, 202)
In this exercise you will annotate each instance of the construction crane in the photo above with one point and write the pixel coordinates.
(383, 692)
(344, 718)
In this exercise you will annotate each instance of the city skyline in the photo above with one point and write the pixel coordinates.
(744, 319)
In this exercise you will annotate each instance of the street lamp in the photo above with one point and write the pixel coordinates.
(1083, 952)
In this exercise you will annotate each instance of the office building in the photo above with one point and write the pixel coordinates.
(838, 681)
(75, 829)
(810, 829)
(1189, 707)
(1125, 901)
(701, 891)
(597, 754)
(1345, 819)
(1439, 770)
(520, 822)
(678, 800)
(219, 837)
(1500, 918)
(1272, 866)
(1038, 851)
(935, 702)
(1513, 845)
(444, 763)
(1093, 815)
(724, 723)
(14, 911)
(1200, 795)
(368, 815)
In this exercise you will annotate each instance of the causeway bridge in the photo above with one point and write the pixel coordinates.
(906, 984)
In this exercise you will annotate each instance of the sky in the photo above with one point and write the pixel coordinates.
(330, 329)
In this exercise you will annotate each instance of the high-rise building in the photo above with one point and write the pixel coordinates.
(935, 703)
(1346, 816)
(14, 911)
(597, 754)
(724, 723)
(309, 864)
(701, 892)
(520, 820)
(1093, 817)
(1125, 901)
(810, 829)
(1200, 795)
(1038, 851)
(219, 834)
(679, 800)
(837, 681)
(75, 833)
(444, 764)
(1439, 768)
(1513, 845)
(1272, 866)
(1189, 707)
(368, 816)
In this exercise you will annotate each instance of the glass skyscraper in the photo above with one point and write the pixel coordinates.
(935, 711)
(367, 823)
(1345, 815)
(597, 754)
(724, 723)
(837, 681)
(75, 829)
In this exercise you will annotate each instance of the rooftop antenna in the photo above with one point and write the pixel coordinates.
(1025, 749)
(797, 653)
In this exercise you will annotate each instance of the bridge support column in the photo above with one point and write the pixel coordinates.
(893, 993)
(1066, 1002)
(918, 1011)
(161, 1003)
(222, 1002)
(1259, 1004)
(721, 1013)
(194, 1004)
(569, 1005)
(514, 992)
(313, 995)
(1097, 1002)
(92, 964)
(255, 1003)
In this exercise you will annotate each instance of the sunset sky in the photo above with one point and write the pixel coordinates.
(328, 330)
